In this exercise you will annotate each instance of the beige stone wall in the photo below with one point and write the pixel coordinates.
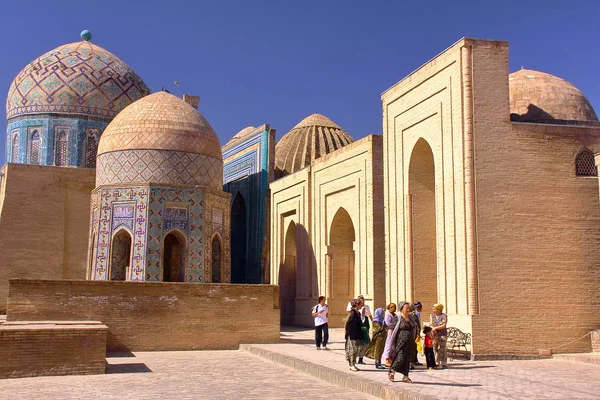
(147, 316)
(423, 115)
(349, 179)
(517, 234)
(44, 219)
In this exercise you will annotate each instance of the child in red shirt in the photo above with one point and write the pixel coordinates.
(429, 354)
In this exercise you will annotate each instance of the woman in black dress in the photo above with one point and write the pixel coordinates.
(404, 344)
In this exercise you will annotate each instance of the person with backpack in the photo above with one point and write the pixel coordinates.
(320, 313)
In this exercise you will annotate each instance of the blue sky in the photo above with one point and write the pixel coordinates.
(277, 61)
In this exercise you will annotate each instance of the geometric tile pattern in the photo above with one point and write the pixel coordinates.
(149, 213)
(77, 78)
(217, 217)
(159, 167)
(49, 127)
(246, 165)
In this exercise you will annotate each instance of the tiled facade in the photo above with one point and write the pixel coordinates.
(61, 141)
(247, 171)
(148, 214)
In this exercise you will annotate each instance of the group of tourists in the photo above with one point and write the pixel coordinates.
(390, 338)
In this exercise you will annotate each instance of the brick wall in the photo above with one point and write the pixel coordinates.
(44, 223)
(155, 316)
(52, 348)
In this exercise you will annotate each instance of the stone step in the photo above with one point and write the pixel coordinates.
(583, 358)
(348, 380)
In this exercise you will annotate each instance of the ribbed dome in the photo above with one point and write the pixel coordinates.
(77, 78)
(160, 139)
(536, 95)
(315, 136)
(161, 121)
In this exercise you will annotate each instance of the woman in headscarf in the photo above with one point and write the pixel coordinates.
(404, 344)
(353, 335)
(438, 322)
(365, 339)
(375, 348)
(389, 323)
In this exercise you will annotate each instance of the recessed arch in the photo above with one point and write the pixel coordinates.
(422, 214)
(15, 148)
(287, 276)
(341, 260)
(120, 255)
(61, 147)
(239, 239)
(217, 259)
(35, 146)
(174, 256)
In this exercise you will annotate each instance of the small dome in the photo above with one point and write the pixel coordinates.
(161, 121)
(315, 136)
(77, 78)
(160, 139)
(239, 136)
(536, 95)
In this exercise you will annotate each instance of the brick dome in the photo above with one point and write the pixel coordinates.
(77, 78)
(538, 96)
(160, 139)
(315, 136)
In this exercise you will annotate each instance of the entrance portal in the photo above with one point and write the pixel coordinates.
(120, 255)
(421, 187)
(287, 277)
(174, 258)
(340, 270)
(238, 240)
(216, 260)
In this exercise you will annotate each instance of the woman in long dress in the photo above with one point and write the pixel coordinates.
(353, 335)
(404, 344)
(389, 323)
(375, 349)
(438, 322)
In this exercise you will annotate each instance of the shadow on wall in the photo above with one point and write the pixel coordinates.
(534, 113)
(298, 282)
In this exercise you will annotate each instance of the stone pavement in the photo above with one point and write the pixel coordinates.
(180, 375)
(515, 379)
(241, 375)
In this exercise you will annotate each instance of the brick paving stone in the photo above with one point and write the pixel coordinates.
(181, 375)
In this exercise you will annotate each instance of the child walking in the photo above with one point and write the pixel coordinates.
(428, 342)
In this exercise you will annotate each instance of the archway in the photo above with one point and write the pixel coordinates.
(287, 277)
(238, 239)
(421, 188)
(174, 257)
(216, 260)
(340, 271)
(120, 258)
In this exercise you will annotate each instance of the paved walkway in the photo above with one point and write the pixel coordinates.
(531, 379)
(241, 375)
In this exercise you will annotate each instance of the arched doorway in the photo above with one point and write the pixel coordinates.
(174, 257)
(287, 277)
(120, 258)
(238, 239)
(216, 259)
(340, 270)
(421, 188)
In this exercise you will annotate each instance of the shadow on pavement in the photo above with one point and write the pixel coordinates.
(119, 354)
(133, 368)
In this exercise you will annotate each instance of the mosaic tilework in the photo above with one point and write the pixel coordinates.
(161, 200)
(76, 78)
(81, 140)
(107, 198)
(122, 216)
(247, 166)
(158, 166)
(217, 223)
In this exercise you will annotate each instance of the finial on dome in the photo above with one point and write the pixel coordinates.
(522, 67)
(86, 35)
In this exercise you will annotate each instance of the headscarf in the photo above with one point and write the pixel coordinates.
(379, 314)
(439, 307)
(401, 305)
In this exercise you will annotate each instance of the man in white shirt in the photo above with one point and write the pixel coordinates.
(320, 312)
